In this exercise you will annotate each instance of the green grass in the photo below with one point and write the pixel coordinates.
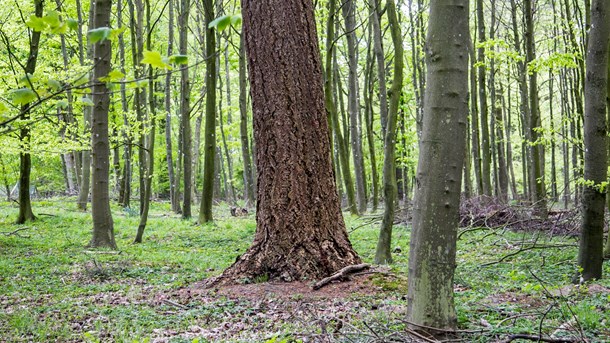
(52, 288)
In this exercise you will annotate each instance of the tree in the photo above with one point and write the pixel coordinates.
(439, 178)
(185, 110)
(590, 254)
(103, 227)
(300, 229)
(383, 254)
(205, 212)
(25, 159)
(353, 104)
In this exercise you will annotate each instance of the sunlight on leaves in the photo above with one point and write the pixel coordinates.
(22, 96)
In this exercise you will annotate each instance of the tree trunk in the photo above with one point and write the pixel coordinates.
(384, 244)
(174, 200)
(483, 110)
(348, 10)
(441, 158)
(207, 196)
(590, 254)
(300, 230)
(103, 228)
(85, 185)
(537, 148)
(343, 155)
(243, 126)
(185, 112)
(380, 56)
(25, 159)
(150, 149)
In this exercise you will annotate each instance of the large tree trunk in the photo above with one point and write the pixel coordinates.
(441, 159)
(300, 229)
(590, 254)
(25, 159)
(383, 253)
(103, 228)
(207, 196)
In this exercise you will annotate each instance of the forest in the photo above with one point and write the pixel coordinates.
(304, 171)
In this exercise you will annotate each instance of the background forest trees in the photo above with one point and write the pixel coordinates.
(527, 99)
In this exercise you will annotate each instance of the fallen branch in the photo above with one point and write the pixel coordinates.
(541, 339)
(16, 232)
(175, 304)
(340, 275)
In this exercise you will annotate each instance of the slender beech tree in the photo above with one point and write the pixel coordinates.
(537, 148)
(175, 202)
(207, 196)
(353, 104)
(590, 254)
(383, 254)
(185, 111)
(439, 171)
(483, 108)
(249, 192)
(25, 158)
(85, 185)
(331, 108)
(103, 227)
(151, 128)
(300, 229)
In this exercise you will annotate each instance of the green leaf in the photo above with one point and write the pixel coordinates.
(142, 84)
(86, 101)
(36, 23)
(115, 33)
(54, 84)
(72, 24)
(220, 23)
(63, 104)
(60, 29)
(236, 20)
(113, 76)
(154, 59)
(27, 80)
(52, 19)
(23, 96)
(99, 34)
(3, 108)
(179, 59)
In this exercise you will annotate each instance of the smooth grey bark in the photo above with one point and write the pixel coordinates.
(483, 108)
(249, 192)
(439, 171)
(380, 57)
(103, 227)
(185, 111)
(348, 10)
(331, 108)
(169, 151)
(207, 196)
(590, 254)
(25, 158)
(384, 244)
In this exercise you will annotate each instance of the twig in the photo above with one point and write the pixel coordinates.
(342, 274)
(16, 232)
(538, 338)
(175, 304)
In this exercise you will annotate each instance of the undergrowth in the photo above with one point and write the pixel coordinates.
(53, 288)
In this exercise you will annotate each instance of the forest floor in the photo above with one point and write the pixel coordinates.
(52, 288)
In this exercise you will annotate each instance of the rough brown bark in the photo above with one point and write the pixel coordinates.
(300, 230)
